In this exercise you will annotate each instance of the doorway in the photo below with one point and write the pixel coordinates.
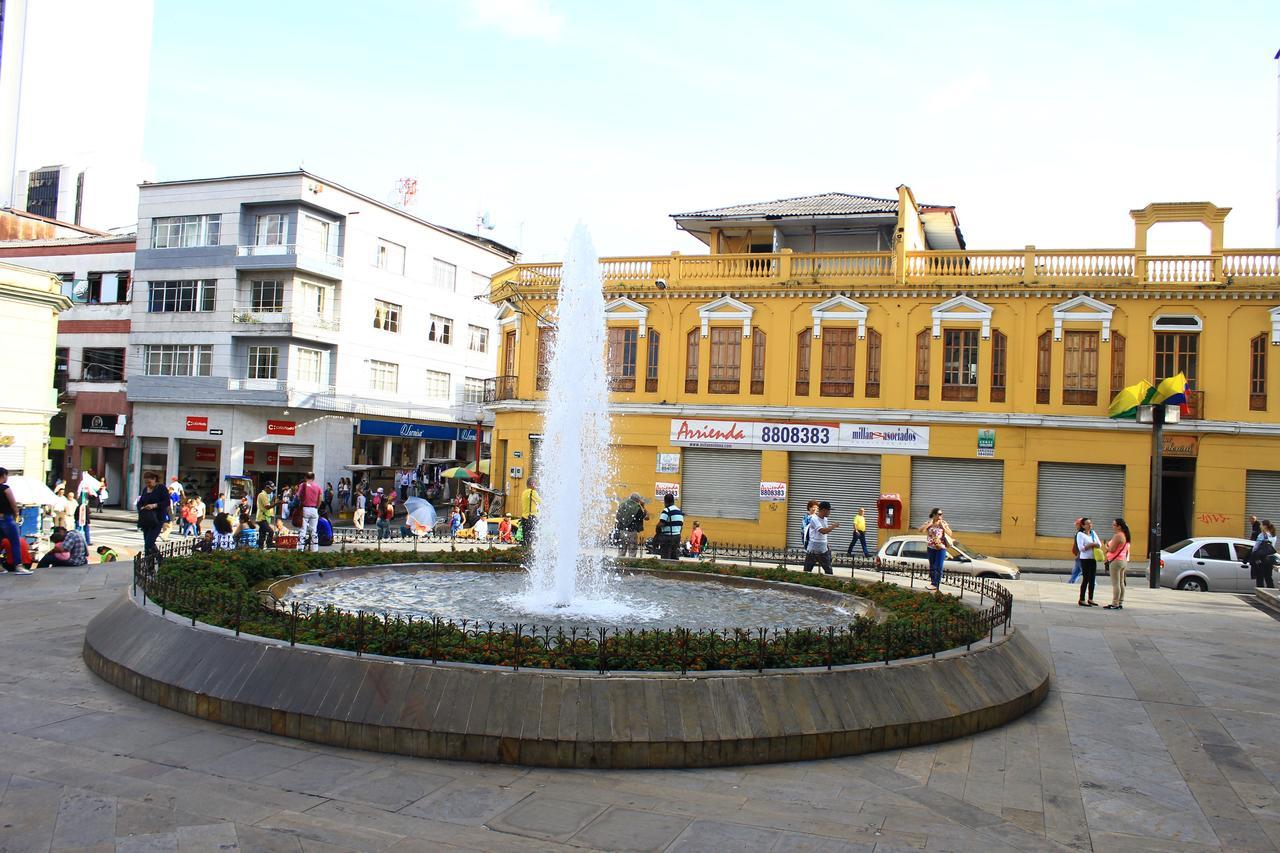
(1177, 496)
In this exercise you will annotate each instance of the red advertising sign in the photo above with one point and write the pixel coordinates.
(197, 424)
(284, 460)
(248, 457)
(206, 454)
(282, 427)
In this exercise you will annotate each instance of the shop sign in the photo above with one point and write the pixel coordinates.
(1176, 444)
(273, 457)
(668, 463)
(401, 429)
(986, 444)
(248, 457)
(98, 423)
(206, 454)
(773, 492)
(196, 423)
(765, 435)
(282, 427)
(661, 490)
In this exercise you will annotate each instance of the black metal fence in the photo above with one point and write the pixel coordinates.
(603, 649)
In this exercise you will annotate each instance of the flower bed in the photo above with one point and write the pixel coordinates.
(218, 589)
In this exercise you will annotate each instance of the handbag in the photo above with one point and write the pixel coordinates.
(1098, 555)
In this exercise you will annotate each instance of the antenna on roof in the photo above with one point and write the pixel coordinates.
(484, 223)
(406, 190)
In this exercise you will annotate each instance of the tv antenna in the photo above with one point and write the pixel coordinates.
(406, 190)
(484, 223)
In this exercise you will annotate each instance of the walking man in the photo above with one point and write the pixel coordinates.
(631, 518)
(859, 532)
(530, 506)
(671, 528)
(266, 516)
(816, 550)
(309, 497)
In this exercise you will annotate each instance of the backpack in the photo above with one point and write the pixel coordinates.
(630, 516)
(1075, 548)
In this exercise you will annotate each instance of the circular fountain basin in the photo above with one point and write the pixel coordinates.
(639, 600)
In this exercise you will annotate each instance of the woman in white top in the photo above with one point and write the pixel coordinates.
(1117, 563)
(1086, 541)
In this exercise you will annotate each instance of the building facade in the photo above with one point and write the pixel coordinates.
(895, 361)
(30, 302)
(282, 323)
(91, 429)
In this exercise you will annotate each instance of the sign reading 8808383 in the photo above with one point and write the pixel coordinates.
(818, 436)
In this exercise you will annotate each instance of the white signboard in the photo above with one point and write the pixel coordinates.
(773, 492)
(820, 436)
(661, 490)
(668, 463)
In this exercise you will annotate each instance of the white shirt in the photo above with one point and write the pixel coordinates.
(360, 501)
(1086, 542)
(817, 539)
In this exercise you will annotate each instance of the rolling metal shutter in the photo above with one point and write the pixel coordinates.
(155, 446)
(1261, 497)
(535, 450)
(848, 481)
(970, 492)
(720, 484)
(1066, 491)
(14, 457)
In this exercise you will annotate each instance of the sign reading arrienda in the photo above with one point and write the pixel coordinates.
(771, 435)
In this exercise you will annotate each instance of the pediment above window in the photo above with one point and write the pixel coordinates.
(1082, 309)
(840, 308)
(726, 308)
(962, 309)
(624, 309)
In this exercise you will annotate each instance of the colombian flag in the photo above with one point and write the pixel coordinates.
(1126, 403)
(1172, 392)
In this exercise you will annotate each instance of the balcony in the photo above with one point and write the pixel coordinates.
(914, 269)
(298, 324)
(289, 255)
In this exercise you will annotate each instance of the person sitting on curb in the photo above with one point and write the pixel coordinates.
(107, 555)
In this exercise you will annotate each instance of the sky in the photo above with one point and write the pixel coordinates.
(1041, 123)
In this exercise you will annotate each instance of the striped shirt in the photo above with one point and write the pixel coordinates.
(671, 521)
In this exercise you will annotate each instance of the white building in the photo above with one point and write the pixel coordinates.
(284, 323)
(73, 93)
(90, 432)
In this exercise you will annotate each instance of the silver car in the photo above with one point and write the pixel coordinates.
(912, 550)
(1207, 563)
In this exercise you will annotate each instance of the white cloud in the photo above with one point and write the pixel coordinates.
(533, 19)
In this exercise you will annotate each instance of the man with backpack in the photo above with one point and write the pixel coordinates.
(631, 518)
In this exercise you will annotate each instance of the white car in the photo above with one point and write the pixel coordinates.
(1207, 563)
(912, 550)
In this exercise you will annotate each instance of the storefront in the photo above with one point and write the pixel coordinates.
(1261, 496)
(283, 464)
(848, 481)
(198, 467)
(404, 444)
(970, 492)
(1066, 491)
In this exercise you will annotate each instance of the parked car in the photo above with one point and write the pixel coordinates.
(911, 550)
(1207, 563)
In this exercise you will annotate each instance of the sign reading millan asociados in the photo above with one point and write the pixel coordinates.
(819, 436)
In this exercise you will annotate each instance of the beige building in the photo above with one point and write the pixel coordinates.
(30, 301)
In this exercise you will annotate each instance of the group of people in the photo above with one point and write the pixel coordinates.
(631, 518)
(1090, 551)
(68, 546)
(1262, 557)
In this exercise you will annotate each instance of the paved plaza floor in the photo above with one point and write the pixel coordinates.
(1159, 735)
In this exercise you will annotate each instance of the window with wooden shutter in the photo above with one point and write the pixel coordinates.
(651, 363)
(1080, 369)
(1044, 364)
(838, 362)
(546, 343)
(1258, 373)
(960, 364)
(922, 365)
(509, 353)
(691, 362)
(1177, 352)
(726, 361)
(873, 363)
(1117, 363)
(999, 364)
(804, 342)
(757, 361)
(621, 362)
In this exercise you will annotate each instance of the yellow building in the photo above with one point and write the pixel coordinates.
(841, 347)
(30, 301)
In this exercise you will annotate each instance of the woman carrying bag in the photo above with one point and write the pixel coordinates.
(1090, 548)
(1118, 563)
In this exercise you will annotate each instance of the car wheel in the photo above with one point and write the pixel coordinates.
(1194, 584)
(988, 575)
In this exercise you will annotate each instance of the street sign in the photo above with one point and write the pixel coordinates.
(215, 432)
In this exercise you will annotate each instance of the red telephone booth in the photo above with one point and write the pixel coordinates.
(889, 512)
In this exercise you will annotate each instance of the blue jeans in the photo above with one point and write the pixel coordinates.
(1075, 572)
(937, 556)
(858, 535)
(9, 530)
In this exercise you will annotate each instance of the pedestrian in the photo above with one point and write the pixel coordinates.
(816, 550)
(344, 494)
(697, 540)
(9, 527)
(455, 521)
(153, 511)
(357, 518)
(671, 528)
(62, 508)
(530, 506)
(176, 493)
(326, 503)
(310, 497)
(265, 517)
(937, 535)
(1076, 571)
(810, 510)
(324, 528)
(107, 555)
(859, 532)
(188, 514)
(1090, 548)
(246, 534)
(505, 534)
(197, 504)
(224, 537)
(630, 519)
(1262, 558)
(84, 517)
(386, 512)
(69, 549)
(1118, 563)
(219, 504)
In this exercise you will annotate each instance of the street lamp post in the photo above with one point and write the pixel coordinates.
(1157, 416)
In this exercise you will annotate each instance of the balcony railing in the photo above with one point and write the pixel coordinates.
(499, 388)
(284, 249)
(1073, 267)
(251, 316)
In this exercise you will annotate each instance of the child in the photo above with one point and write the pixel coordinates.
(106, 555)
(504, 530)
(697, 540)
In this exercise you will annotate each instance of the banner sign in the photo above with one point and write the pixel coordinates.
(820, 436)
(98, 423)
(401, 429)
(661, 490)
(196, 423)
(773, 492)
(282, 428)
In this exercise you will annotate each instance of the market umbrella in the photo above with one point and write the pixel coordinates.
(29, 491)
(421, 516)
(457, 474)
(484, 466)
